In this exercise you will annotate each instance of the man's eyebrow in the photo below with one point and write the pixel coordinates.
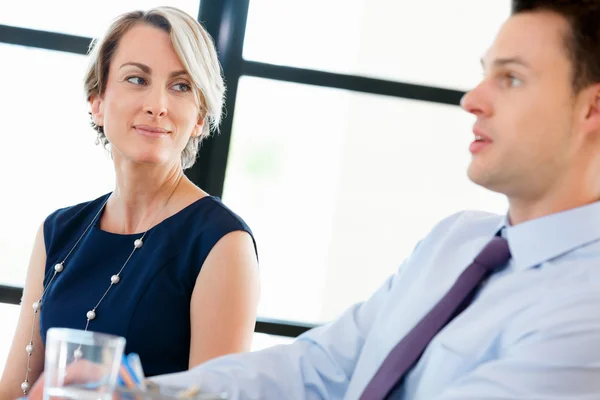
(504, 61)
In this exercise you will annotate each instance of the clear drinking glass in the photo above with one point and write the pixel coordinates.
(81, 365)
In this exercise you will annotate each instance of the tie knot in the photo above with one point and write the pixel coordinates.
(495, 254)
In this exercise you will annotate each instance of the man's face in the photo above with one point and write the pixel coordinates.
(524, 107)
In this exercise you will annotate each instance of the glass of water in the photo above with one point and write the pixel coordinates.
(81, 364)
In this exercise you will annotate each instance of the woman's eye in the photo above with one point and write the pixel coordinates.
(182, 87)
(136, 80)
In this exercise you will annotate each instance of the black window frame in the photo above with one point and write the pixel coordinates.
(226, 20)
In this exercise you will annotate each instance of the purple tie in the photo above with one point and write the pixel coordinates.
(408, 351)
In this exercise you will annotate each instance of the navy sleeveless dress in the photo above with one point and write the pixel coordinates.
(150, 306)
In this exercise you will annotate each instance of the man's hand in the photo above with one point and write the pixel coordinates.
(81, 371)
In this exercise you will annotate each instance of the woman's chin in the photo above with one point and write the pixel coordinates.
(151, 159)
(149, 156)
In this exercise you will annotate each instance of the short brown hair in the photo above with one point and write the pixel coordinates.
(195, 49)
(583, 40)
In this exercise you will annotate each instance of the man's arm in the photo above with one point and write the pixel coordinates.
(318, 365)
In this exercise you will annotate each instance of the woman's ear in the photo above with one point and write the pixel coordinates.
(197, 132)
(97, 109)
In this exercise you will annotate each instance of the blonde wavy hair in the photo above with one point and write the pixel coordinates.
(194, 47)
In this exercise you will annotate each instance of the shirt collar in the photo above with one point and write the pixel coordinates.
(534, 242)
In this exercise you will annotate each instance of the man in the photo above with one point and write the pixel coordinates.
(443, 328)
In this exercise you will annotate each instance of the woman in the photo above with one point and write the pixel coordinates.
(157, 260)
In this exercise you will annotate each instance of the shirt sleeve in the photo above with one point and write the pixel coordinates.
(318, 365)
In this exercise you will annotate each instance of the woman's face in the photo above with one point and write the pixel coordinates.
(148, 109)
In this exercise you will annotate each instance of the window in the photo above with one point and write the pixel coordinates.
(262, 341)
(82, 18)
(339, 187)
(48, 158)
(9, 315)
(430, 42)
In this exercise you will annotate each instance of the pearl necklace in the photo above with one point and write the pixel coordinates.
(91, 314)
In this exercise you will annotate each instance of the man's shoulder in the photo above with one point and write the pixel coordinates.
(462, 230)
(469, 222)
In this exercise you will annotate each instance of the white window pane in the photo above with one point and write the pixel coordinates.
(338, 187)
(48, 157)
(9, 315)
(262, 341)
(431, 42)
(82, 18)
